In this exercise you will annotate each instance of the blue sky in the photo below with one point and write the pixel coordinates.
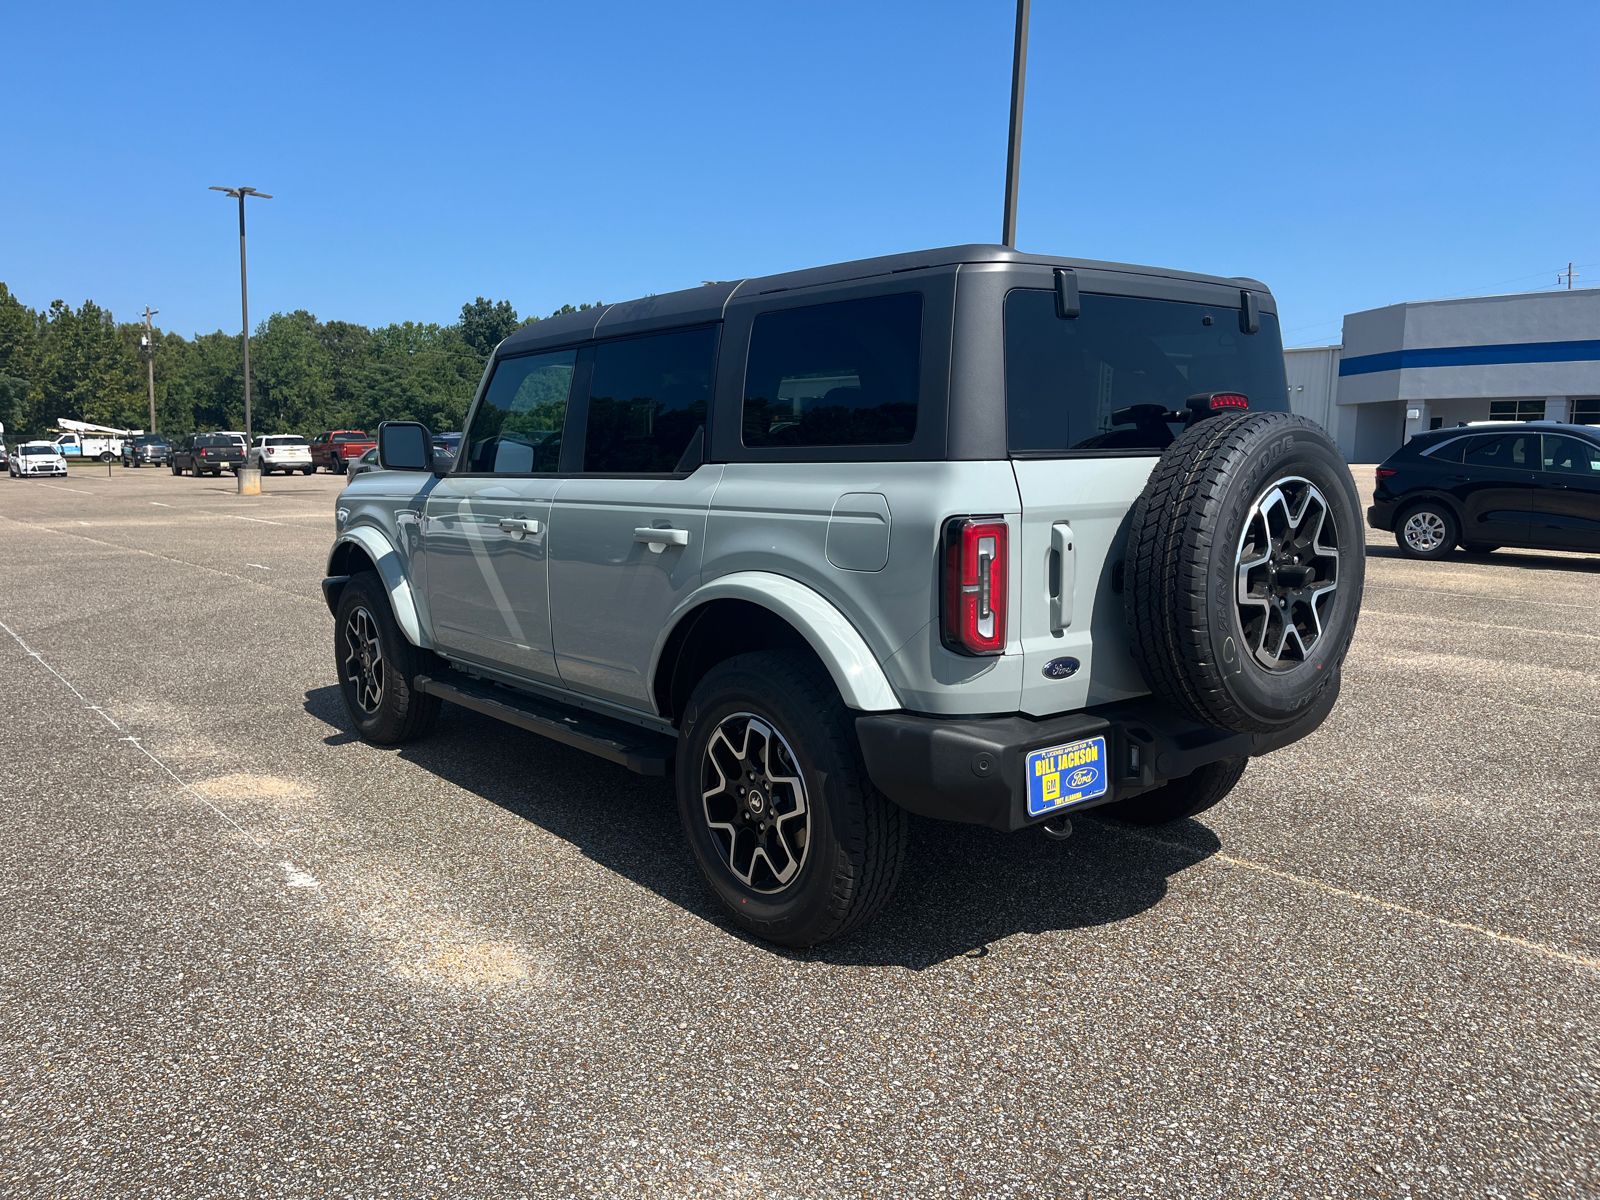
(1350, 155)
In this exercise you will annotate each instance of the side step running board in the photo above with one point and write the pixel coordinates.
(639, 750)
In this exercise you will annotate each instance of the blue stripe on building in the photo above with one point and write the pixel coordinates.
(1472, 356)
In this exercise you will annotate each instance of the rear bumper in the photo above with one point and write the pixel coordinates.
(1381, 516)
(971, 769)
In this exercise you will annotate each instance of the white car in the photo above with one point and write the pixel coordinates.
(37, 458)
(281, 452)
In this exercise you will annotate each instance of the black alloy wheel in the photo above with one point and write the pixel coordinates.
(378, 666)
(363, 663)
(1287, 570)
(795, 842)
(754, 802)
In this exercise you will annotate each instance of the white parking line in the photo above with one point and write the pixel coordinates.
(182, 562)
(258, 566)
(59, 488)
(257, 520)
(158, 504)
(1245, 864)
(296, 878)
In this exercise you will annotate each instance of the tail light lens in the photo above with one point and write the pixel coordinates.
(1386, 472)
(975, 566)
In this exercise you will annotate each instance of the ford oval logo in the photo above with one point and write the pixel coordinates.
(1060, 668)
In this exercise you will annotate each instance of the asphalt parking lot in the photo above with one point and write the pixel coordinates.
(244, 954)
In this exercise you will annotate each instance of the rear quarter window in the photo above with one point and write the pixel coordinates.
(1102, 382)
(840, 374)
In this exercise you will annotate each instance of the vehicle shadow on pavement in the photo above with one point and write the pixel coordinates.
(1536, 560)
(963, 888)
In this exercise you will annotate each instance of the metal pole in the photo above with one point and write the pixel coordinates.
(244, 304)
(150, 360)
(1019, 71)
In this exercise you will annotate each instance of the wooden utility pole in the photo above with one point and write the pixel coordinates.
(150, 360)
(1019, 72)
(1568, 275)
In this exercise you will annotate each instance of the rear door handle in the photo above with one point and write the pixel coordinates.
(520, 527)
(1063, 576)
(659, 539)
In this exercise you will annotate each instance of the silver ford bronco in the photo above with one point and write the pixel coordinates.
(969, 533)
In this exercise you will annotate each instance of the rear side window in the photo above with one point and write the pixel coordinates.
(517, 428)
(1106, 379)
(1450, 452)
(842, 374)
(647, 401)
(1513, 451)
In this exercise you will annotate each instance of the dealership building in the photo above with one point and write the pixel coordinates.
(1412, 367)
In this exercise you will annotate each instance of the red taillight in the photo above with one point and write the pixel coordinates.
(1385, 472)
(975, 564)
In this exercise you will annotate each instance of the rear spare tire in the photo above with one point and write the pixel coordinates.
(1244, 570)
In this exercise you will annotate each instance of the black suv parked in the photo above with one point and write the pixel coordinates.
(1534, 485)
(146, 449)
(207, 452)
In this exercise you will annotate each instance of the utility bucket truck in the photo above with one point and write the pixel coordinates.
(84, 441)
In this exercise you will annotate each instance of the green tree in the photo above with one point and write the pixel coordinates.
(485, 324)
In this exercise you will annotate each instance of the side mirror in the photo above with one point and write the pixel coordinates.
(405, 446)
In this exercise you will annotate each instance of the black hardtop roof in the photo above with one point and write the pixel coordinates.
(708, 303)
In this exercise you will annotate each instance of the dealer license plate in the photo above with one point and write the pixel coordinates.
(1063, 775)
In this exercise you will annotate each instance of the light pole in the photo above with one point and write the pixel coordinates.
(1019, 71)
(244, 285)
(150, 360)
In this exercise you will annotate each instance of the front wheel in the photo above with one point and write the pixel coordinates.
(378, 667)
(1427, 531)
(1180, 799)
(797, 844)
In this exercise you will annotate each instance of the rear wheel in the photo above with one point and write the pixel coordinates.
(1478, 548)
(1426, 531)
(378, 667)
(797, 844)
(307, 470)
(1180, 799)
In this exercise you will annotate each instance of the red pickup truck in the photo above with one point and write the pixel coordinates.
(337, 447)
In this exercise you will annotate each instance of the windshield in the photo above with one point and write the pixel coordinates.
(39, 450)
(148, 440)
(1106, 380)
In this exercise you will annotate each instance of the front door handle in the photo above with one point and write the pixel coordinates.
(520, 527)
(659, 539)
